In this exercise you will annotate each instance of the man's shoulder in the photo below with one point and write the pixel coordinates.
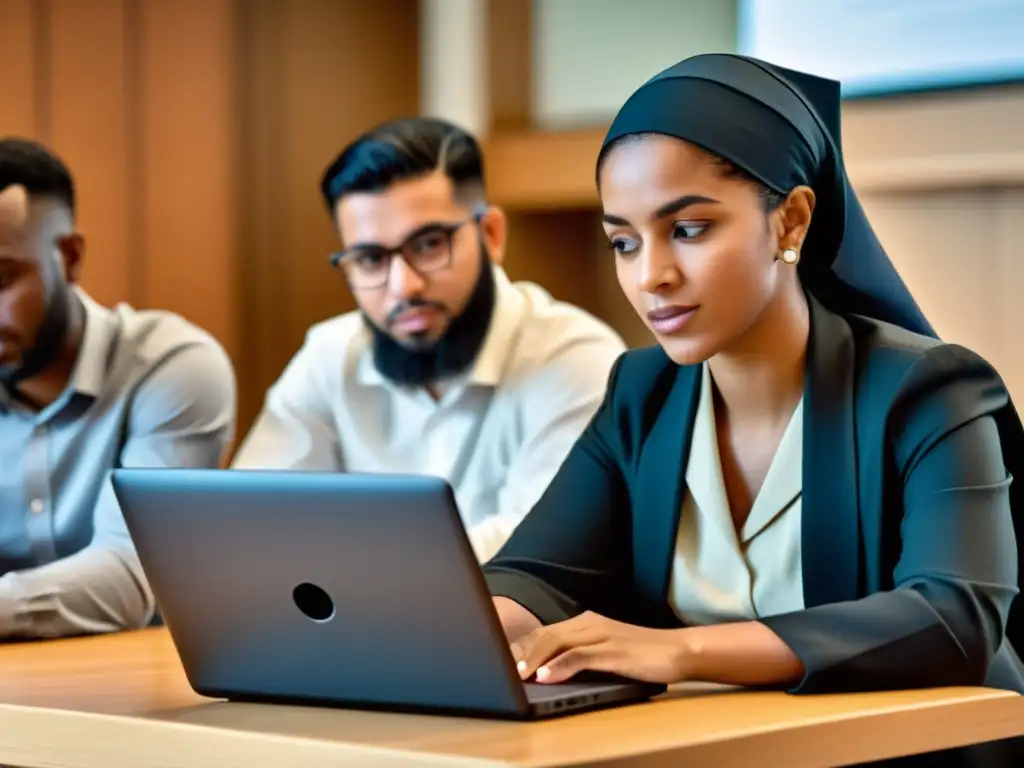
(150, 335)
(336, 334)
(153, 358)
(331, 349)
(551, 326)
(167, 352)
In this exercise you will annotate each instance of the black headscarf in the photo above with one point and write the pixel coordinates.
(783, 128)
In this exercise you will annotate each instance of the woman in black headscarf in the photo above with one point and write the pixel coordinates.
(801, 486)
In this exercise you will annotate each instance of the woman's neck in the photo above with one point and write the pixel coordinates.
(761, 378)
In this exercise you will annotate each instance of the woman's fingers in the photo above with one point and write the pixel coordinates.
(600, 657)
(540, 646)
(590, 642)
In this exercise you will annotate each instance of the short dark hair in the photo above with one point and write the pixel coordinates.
(36, 168)
(403, 149)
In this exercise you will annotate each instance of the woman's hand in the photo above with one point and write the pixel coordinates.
(555, 653)
(515, 620)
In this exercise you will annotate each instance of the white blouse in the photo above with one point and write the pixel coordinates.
(718, 575)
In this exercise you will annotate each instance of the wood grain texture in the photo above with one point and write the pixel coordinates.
(123, 700)
(188, 129)
(196, 131)
(540, 170)
(18, 24)
(510, 64)
(892, 146)
(315, 74)
(89, 127)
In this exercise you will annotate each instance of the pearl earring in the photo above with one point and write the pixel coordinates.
(789, 256)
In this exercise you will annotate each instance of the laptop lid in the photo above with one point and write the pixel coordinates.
(320, 587)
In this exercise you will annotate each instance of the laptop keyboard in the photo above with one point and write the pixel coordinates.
(542, 692)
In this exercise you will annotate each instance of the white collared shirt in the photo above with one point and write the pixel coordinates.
(719, 575)
(498, 434)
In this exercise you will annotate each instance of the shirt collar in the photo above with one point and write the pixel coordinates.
(90, 370)
(489, 366)
(705, 481)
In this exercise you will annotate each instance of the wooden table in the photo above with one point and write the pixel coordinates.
(123, 700)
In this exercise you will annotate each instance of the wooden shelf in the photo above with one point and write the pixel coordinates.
(543, 170)
(554, 170)
(936, 172)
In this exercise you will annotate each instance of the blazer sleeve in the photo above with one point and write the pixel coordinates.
(571, 552)
(956, 576)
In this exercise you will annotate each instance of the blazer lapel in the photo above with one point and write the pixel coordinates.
(830, 520)
(783, 483)
(660, 484)
(703, 470)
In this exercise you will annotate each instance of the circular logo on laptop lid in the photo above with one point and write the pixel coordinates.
(314, 602)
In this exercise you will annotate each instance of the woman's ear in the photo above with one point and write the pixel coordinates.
(795, 218)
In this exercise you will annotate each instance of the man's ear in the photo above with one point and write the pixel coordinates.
(494, 230)
(72, 252)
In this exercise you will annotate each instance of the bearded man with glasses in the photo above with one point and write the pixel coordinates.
(447, 367)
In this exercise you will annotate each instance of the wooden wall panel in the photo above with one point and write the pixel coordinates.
(971, 295)
(566, 252)
(188, 133)
(197, 131)
(510, 63)
(555, 236)
(324, 107)
(262, 268)
(317, 73)
(18, 63)
(1009, 314)
(136, 96)
(88, 127)
(557, 250)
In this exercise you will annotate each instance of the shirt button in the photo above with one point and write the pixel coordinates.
(36, 505)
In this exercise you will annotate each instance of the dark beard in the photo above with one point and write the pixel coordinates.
(47, 345)
(450, 355)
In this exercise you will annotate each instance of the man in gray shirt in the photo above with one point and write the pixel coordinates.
(83, 389)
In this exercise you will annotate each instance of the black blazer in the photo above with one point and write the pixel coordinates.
(910, 562)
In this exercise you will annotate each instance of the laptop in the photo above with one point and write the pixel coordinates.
(349, 590)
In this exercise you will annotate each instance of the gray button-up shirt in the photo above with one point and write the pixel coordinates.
(148, 390)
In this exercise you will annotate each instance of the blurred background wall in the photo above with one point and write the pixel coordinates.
(197, 130)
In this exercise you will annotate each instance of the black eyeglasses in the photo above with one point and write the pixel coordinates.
(428, 249)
